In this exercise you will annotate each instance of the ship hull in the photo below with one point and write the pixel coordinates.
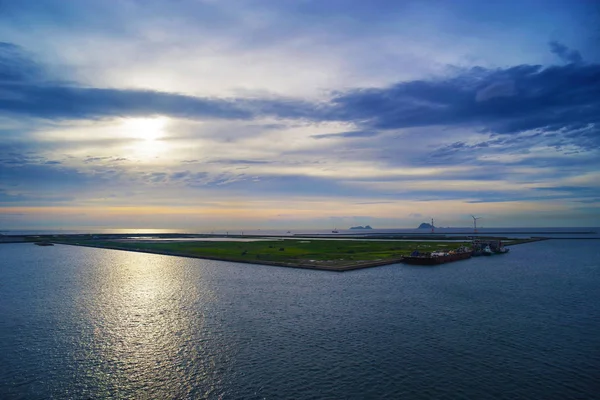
(437, 260)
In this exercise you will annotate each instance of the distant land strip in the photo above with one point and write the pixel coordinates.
(313, 253)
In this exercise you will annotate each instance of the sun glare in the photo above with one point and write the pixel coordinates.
(148, 132)
(145, 128)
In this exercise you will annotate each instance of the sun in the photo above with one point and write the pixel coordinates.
(147, 135)
(149, 129)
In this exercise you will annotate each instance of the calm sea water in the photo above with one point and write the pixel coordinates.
(94, 323)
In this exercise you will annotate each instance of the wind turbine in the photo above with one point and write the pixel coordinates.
(475, 222)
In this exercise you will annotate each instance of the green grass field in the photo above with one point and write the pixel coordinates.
(310, 251)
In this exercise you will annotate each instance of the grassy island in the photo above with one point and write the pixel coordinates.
(336, 255)
(322, 254)
(301, 252)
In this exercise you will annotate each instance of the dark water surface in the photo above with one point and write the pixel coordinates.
(93, 323)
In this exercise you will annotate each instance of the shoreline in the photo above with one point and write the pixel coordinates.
(327, 264)
(342, 268)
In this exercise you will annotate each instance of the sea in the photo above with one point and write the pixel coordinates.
(88, 323)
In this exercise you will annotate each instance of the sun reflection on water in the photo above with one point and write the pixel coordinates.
(143, 332)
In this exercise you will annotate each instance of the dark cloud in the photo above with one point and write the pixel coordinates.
(571, 189)
(375, 202)
(24, 90)
(103, 160)
(70, 102)
(237, 162)
(187, 178)
(156, 177)
(29, 199)
(565, 54)
(35, 184)
(522, 98)
(95, 159)
(179, 175)
(275, 185)
(590, 201)
(496, 89)
(531, 97)
(14, 159)
(16, 66)
(564, 99)
(352, 134)
(490, 196)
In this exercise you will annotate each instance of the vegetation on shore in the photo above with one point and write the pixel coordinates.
(316, 253)
(326, 254)
(284, 250)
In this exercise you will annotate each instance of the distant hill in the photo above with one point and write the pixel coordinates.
(425, 225)
(361, 227)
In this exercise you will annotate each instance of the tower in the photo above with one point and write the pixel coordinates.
(475, 222)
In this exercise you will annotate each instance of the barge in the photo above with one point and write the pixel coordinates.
(437, 258)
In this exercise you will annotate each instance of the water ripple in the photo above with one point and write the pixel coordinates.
(93, 323)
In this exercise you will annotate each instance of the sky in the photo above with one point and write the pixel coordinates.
(209, 115)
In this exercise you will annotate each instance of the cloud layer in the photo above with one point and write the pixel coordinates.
(500, 140)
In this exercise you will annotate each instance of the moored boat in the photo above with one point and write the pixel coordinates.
(437, 257)
(487, 251)
(43, 244)
(488, 248)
